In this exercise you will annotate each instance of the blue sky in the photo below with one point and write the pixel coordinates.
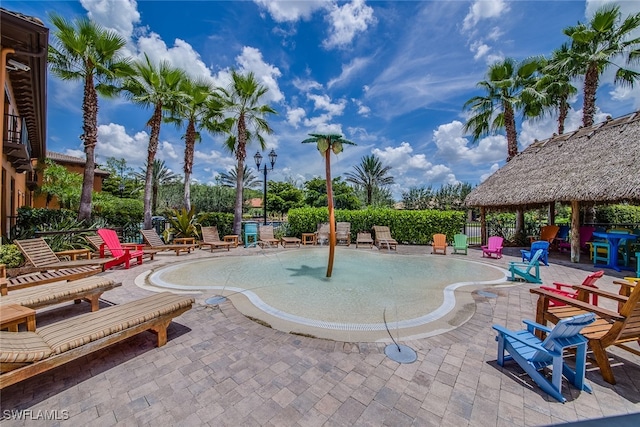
(390, 76)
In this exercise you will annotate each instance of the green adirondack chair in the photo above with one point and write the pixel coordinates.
(524, 269)
(460, 243)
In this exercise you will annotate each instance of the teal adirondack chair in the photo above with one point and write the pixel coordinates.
(524, 269)
(533, 355)
(460, 243)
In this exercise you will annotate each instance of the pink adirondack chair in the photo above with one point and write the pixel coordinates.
(493, 247)
(121, 254)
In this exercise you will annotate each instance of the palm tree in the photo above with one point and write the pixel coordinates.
(157, 87)
(84, 51)
(249, 180)
(326, 144)
(161, 175)
(201, 109)
(242, 100)
(595, 46)
(507, 88)
(370, 174)
(556, 87)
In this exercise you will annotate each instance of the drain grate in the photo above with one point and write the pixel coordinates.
(487, 294)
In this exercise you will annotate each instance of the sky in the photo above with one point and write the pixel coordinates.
(391, 76)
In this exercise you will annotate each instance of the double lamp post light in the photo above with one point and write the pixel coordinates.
(272, 160)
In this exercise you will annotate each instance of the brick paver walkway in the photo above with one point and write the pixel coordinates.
(220, 368)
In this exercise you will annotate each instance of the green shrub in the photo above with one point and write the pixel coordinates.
(11, 256)
(411, 226)
(117, 212)
(618, 214)
(222, 220)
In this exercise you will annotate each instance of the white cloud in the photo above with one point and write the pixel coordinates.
(306, 85)
(119, 16)
(181, 55)
(251, 60)
(494, 167)
(346, 21)
(484, 9)
(291, 11)
(113, 141)
(349, 71)
(294, 116)
(479, 49)
(454, 147)
(323, 102)
(401, 158)
(363, 110)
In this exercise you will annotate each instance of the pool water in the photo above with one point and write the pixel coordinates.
(366, 289)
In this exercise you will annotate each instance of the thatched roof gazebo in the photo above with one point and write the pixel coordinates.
(600, 164)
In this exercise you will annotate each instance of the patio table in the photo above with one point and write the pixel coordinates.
(614, 242)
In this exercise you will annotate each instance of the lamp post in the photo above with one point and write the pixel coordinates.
(258, 159)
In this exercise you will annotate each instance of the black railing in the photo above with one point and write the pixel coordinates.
(16, 131)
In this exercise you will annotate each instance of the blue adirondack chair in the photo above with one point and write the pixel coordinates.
(523, 269)
(540, 244)
(533, 355)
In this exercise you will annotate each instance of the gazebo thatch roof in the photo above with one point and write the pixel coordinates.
(600, 164)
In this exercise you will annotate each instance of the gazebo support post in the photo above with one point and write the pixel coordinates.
(552, 213)
(575, 231)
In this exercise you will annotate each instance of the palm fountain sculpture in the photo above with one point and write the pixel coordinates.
(326, 144)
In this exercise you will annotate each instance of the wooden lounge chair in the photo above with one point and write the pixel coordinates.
(41, 278)
(266, 237)
(563, 289)
(154, 241)
(343, 233)
(439, 244)
(211, 238)
(322, 234)
(383, 237)
(610, 327)
(533, 354)
(538, 244)
(530, 271)
(364, 238)
(460, 243)
(41, 257)
(289, 240)
(122, 254)
(25, 354)
(89, 289)
(493, 247)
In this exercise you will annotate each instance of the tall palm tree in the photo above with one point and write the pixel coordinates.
(370, 174)
(242, 100)
(594, 48)
(326, 144)
(158, 87)
(510, 87)
(556, 87)
(201, 109)
(161, 175)
(249, 180)
(84, 51)
(507, 88)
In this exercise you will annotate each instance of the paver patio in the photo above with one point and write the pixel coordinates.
(220, 368)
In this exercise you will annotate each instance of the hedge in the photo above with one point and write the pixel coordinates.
(415, 227)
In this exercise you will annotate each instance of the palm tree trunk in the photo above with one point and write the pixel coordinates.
(332, 222)
(154, 197)
(563, 112)
(190, 141)
(240, 155)
(155, 123)
(590, 87)
(510, 128)
(90, 139)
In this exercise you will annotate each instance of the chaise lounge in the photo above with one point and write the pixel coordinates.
(26, 354)
(153, 240)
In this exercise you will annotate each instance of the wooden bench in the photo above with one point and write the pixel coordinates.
(25, 354)
(89, 289)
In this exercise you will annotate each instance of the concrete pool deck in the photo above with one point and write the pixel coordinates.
(221, 368)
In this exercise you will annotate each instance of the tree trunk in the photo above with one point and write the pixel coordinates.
(575, 231)
(332, 222)
(154, 198)
(510, 128)
(190, 141)
(90, 139)
(240, 155)
(155, 122)
(590, 87)
(563, 112)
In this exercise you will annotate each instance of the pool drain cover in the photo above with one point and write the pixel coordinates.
(215, 300)
(487, 294)
(400, 353)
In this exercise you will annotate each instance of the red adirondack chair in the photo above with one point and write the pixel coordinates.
(590, 280)
(121, 254)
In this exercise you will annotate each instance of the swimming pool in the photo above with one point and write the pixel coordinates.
(369, 291)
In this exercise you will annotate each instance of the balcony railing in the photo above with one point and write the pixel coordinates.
(15, 141)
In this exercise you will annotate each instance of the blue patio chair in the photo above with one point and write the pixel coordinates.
(533, 355)
(524, 269)
(544, 258)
